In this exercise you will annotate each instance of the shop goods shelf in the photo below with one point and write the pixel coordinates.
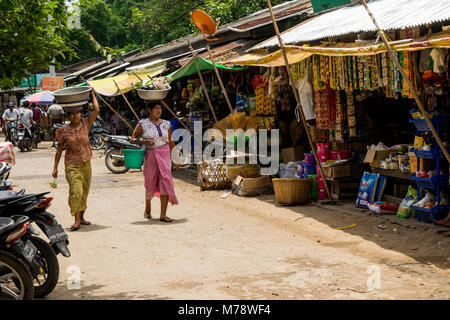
(431, 183)
(439, 122)
(431, 154)
(429, 215)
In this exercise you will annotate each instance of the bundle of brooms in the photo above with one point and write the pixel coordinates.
(235, 121)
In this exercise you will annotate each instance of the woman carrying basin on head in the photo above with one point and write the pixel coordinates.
(77, 160)
(157, 136)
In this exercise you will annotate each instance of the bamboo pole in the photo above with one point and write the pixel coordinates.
(297, 98)
(126, 100)
(112, 109)
(194, 54)
(224, 91)
(173, 113)
(118, 114)
(408, 82)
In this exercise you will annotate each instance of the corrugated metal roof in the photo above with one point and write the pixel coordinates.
(261, 18)
(390, 15)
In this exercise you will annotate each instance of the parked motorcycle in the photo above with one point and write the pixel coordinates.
(5, 169)
(24, 138)
(12, 131)
(96, 134)
(115, 160)
(18, 259)
(55, 127)
(34, 206)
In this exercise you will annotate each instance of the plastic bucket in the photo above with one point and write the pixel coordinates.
(313, 194)
(133, 158)
(323, 147)
(323, 155)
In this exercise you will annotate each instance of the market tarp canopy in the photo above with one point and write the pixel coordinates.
(189, 68)
(126, 81)
(298, 53)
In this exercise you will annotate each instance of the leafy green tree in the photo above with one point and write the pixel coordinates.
(165, 20)
(32, 34)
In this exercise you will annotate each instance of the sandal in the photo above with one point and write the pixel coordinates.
(147, 215)
(73, 228)
(166, 219)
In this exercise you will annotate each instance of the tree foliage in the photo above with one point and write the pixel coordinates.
(131, 24)
(32, 34)
(165, 20)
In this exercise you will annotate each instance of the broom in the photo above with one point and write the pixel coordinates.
(237, 121)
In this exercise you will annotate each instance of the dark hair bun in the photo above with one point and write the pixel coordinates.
(153, 105)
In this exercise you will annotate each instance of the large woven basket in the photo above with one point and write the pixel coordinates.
(292, 190)
(212, 175)
(243, 170)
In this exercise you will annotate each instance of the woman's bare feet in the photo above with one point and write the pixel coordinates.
(77, 223)
(165, 219)
(147, 215)
(83, 221)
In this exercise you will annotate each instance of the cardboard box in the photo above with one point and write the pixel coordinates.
(335, 172)
(375, 156)
(251, 186)
(293, 154)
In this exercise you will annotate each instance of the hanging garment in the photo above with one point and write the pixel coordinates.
(438, 56)
(424, 61)
(306, 93)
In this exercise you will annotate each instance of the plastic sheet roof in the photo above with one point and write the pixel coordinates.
(390, 15)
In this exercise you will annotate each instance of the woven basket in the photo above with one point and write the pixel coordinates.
(212, 175)
(243, 170)
(292, 190)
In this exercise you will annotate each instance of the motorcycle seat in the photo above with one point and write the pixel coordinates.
(7, 194)
(119, 137)
(5, 223)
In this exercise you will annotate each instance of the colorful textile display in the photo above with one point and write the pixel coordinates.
(351, 113)
(264, 104)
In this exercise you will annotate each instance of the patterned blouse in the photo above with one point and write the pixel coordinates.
(76, 141)
(159, 133)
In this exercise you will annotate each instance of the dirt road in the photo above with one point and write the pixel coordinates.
(232, 248)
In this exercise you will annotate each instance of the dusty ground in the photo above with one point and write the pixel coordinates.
(233, 248)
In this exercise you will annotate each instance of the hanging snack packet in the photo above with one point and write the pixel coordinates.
(367, 190)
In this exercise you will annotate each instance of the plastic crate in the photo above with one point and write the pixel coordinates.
(430, 183)
(431, 154)
(430, 215)
(441, 122)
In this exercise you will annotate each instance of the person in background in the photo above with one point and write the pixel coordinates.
(74, 137)
(10, 113)
(116, 124)
(55, 113)
(26, 117)
(157, 136)
(37, 113)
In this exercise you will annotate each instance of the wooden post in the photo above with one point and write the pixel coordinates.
(224, 91)
(118, 114)
(173, 113)
(126, 100)
(297, 98)
(414, 92)
(202, 81)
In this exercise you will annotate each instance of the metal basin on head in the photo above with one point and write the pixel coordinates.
(72, 95)
(153, 95)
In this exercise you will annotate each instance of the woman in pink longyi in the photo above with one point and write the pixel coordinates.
(156, 134)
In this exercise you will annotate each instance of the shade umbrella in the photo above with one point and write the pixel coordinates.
(41, 98)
